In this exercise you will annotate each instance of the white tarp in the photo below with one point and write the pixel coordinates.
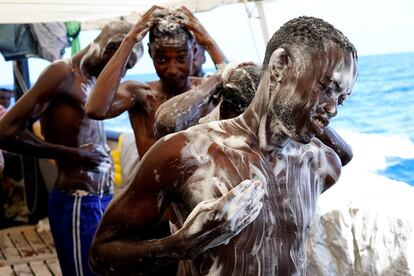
(91, 12)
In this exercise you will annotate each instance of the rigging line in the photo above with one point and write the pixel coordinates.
(249, 16)
(19, 77)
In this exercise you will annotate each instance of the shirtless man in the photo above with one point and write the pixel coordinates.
(198, 61)
(225, 95)
(171, 47)
(5, 97)
(244, 190)
(78, 144)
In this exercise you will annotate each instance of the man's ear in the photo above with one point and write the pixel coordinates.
(278, 65)
(110, 49)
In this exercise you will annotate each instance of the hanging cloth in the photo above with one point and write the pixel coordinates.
(73, 30)
(51, 38)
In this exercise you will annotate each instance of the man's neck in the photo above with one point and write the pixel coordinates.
(269, 131)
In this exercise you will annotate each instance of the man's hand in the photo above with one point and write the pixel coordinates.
(194, 25)
(146, 21)
(214, 222)
(225, 70)
(92, 156)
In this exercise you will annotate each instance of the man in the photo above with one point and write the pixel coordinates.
(171, 47)
(225, 95)
(84, 183)
(5, 97)
(244, 190)
(198, 61)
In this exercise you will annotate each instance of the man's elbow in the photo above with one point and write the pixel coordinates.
(163, 125)
(95, 114)
(160, 130)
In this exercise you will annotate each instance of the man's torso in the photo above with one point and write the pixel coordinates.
(275, 243)
(64, 122)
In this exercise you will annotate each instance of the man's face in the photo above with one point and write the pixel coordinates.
(312, 91)
(5, 97)
(173, 62)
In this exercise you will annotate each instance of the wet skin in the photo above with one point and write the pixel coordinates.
(193, 106)
(75, 141)
(172, 61)
(218, 176)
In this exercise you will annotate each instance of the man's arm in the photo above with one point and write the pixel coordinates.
(333, 140)
(184, 110)
(124, 243)
(203, 37)
(108, 99)
(14, 135)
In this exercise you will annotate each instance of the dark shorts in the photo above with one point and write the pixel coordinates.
(73, 220)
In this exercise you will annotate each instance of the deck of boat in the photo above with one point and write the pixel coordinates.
(24, 251)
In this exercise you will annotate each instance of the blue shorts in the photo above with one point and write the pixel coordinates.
(73, 220)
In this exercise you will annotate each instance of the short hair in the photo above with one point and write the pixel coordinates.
(115, 31)
(307, 31)
(239, 91)
(168, 27)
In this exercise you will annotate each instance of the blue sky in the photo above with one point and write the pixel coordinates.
(375, 27)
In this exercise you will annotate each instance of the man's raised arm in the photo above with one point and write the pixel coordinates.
(184, 110)
(108, 99)
(203, 37)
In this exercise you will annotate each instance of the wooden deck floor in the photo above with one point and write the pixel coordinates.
(24, 251)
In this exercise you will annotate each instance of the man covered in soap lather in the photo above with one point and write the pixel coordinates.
(244, 190)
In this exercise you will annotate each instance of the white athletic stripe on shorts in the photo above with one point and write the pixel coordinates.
(76, 235)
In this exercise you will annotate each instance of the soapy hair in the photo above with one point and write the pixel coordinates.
(307, 31)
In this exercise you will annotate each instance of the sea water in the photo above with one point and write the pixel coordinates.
(377, 120)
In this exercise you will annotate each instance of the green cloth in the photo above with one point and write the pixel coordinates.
(73, 30)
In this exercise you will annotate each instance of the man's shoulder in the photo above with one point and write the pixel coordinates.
(173, 144)
(196, 81)
(63, 65)
(58, 70)
(164, 158)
